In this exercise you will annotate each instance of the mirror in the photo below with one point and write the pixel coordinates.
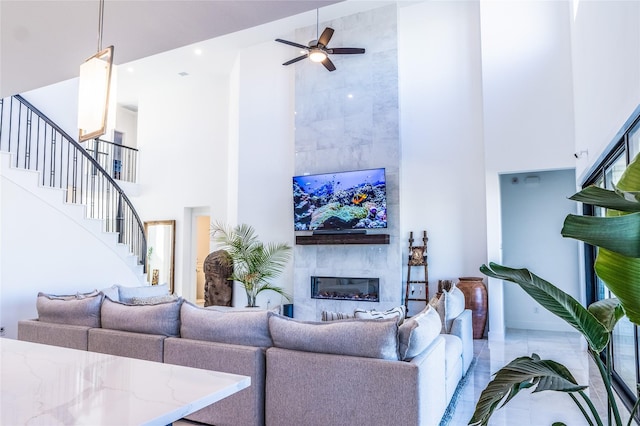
(161, 243)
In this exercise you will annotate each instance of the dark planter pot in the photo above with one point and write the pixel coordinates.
(475, 296)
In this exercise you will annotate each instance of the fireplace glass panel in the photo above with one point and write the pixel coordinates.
(341, 288)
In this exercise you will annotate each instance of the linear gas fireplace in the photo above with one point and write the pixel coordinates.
(341, 288)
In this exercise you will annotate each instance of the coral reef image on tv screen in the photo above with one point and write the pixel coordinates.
(340, 201)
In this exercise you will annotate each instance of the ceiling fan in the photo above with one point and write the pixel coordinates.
(318, 50)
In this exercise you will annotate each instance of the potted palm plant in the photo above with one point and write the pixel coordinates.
(254, 263)
(617, 237)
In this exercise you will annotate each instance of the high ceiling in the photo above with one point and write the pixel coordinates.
(44, 42)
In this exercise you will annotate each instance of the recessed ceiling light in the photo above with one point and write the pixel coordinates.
(130, 69)
(198, 51)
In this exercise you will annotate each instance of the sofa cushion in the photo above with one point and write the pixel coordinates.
(449, 306)
(78, 309)
(74, 296)
(112, 292)
(127, 293)
(453, 354)
(417, 333)
(161, 318)
(397, 313)
(335, 316)
(354, 337)
(250, 328)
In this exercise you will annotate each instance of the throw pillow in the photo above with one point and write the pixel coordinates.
(153, 300)
(127, 293)
(453, 306)
(161, 318)
(335, 316)
(354, 337)
(250, 328)
(111, 292)
(397, 313)
(417, 332)
(437, 303)
(69, 309)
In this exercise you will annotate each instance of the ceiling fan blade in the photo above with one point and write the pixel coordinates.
(291, 43)
(328, 64)
(294, 60)
(346, 50)
(325, 36)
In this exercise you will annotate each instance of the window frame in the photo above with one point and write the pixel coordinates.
(620, 145)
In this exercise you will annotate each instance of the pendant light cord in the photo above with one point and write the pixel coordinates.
(100, 24)
(317, 25)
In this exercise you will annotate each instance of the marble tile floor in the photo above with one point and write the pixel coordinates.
(541, 409)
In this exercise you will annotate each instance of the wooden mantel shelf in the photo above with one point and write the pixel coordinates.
(342, 239)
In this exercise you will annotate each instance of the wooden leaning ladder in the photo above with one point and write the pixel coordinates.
(417, 257)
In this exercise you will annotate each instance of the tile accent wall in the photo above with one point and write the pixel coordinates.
(349, 120)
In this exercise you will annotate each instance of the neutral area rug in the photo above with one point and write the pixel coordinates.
(451, 408)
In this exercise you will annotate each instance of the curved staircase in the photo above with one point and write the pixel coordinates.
(38, 157)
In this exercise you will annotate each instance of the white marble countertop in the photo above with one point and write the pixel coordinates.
(50, 385)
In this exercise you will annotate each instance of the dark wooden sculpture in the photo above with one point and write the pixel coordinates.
(218, 288)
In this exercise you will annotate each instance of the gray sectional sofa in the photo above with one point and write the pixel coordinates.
(349, 372)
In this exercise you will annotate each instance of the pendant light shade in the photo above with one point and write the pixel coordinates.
(93, 100)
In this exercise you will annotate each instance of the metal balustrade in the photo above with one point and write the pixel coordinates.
(118, 160)
(36, 143)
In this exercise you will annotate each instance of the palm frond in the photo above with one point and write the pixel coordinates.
(254, 263)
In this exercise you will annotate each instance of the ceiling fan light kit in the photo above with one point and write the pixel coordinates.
(318, 50)
(317, 55)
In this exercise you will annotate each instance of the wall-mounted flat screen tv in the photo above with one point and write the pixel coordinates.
(341, 201)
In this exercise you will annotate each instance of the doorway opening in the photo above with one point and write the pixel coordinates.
(533, 208)
(197, 241)
(202, 238)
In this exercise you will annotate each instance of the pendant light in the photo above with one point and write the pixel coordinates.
(94, 87)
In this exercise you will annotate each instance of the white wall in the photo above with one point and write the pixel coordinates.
(442, 167)
(59, 102)
(126, 122)
(528, 106)
(606, 70)
(264, 155)
(182, 139)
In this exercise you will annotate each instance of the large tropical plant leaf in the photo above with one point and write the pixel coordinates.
(622, 276)
(620, 234)
(555, 301)
(607, 311)
(617, 200)
(522, 373)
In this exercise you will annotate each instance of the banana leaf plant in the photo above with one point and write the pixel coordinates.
(254, 263)
(617, 236)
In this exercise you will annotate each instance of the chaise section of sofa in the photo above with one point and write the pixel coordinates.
(316, 389)
(244, 408)
(356, 371)
(462, 327)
